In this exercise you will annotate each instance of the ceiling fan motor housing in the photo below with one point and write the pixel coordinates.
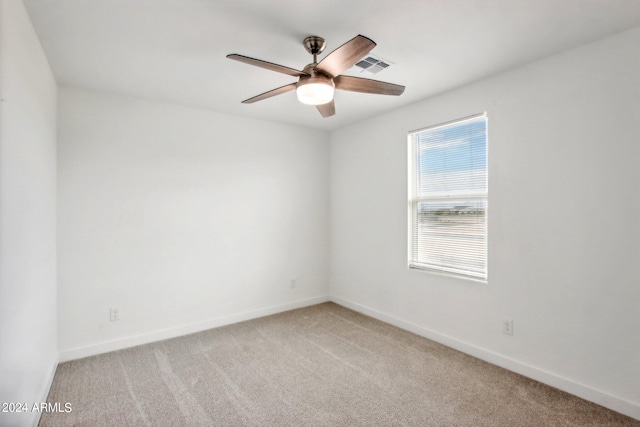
(315, 88)
(316, 78)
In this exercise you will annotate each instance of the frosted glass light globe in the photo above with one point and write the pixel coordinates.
(315, 93)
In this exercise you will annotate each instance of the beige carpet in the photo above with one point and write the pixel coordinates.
(318, 366)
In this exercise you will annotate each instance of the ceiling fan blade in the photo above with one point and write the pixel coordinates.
(358, 84)
(345, 56)
(328, 109)
(267, 65)
(271, 93)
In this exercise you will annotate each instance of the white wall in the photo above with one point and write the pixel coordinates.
(28, 353)
(184, 219)
(564, 203)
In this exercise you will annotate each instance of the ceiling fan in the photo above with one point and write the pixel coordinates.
(318, 80)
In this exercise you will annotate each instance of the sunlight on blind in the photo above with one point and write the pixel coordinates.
(448, 198)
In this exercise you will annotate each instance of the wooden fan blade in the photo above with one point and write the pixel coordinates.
(345, 56)
(328, 109)
(271, 93)
(267, 65)
(357, 84)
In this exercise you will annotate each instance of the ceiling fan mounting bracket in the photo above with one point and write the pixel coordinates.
(314, 45)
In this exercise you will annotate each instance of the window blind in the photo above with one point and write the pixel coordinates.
(448, 198)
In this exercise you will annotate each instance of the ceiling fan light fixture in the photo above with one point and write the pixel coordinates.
(318, 80)
(315, 90)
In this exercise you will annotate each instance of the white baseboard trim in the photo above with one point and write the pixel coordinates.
(44, 393)
(583, 391)
(132, 341)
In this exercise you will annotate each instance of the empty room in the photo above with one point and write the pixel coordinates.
(329, 213)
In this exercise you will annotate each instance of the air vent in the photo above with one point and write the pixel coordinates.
(372, 64)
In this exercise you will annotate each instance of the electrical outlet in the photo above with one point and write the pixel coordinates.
(293, 284)
(114, 314)
(507, 326)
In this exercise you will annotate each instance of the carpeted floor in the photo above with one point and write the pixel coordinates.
(318, 366)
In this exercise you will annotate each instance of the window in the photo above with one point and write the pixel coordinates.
(448, 198)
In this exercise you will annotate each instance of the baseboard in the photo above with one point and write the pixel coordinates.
(44, 393)
(132, 341)
(583, 391)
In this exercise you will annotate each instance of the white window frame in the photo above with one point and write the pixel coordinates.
(414, 199)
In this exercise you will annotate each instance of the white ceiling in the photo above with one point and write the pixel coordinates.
(174, 50)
